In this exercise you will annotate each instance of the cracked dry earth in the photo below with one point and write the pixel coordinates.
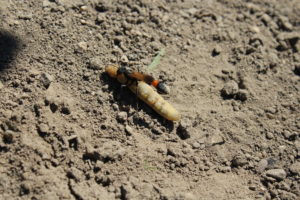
(68, 131)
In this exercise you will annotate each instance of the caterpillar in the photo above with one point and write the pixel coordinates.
(146, 93)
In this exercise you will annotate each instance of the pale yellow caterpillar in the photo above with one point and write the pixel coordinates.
(146, 93)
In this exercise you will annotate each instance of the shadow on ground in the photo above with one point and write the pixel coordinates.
(10, 45)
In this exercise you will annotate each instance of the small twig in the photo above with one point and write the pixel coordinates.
(156, 60)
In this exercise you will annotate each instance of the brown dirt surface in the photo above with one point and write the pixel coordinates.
(69, 131)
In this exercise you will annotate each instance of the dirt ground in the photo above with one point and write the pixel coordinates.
(69, 131)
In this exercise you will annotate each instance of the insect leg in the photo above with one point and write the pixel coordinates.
(137, 92)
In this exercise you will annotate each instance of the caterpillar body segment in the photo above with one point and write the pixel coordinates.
(146, 93)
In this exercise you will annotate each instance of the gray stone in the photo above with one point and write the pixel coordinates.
(278, 174)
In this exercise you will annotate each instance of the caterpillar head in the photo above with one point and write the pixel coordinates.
(163, 88)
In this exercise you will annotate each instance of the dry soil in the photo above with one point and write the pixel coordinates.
(68, 131)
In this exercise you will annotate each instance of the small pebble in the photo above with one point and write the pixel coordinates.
(196, 145)
(297, 69)
(216, 139)
(95, 63)
(255, 29)
(230, 89)
(295, 168)
(186, 196)
(129, 130)
(124, 59)
(8, 137)
(122, 116)
(285, 23)
(269, 135)
(239, 161)
(46, 79)
(83, 8)
(100, 18)
(183, 130)
(216, 51)
(110, 151)
(25, 16)
(284, 186)
(24, 189)
(1, 85)
(262, 165)
(75, 173)
(115, 106)
(82, 46)
(172, 166)
(225, 169)
(242, 95)
(46, 3)
(266, 19)
(287, 134)
(236, 108)
(252, 187)
(65, 107)
(271, 110)
(43, 128)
